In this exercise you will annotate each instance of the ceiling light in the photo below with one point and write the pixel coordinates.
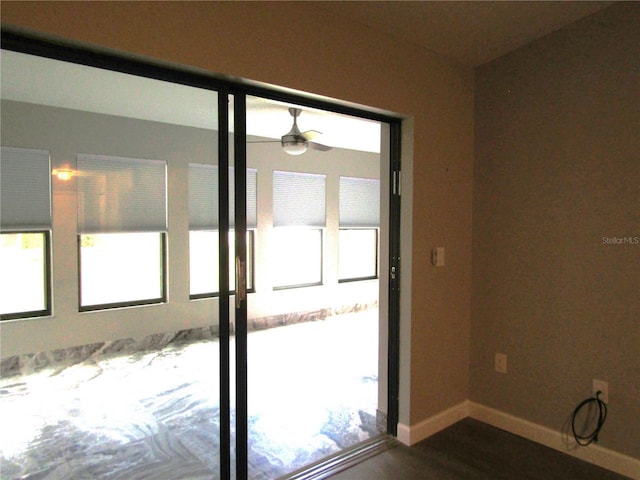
(64, 174)
(295, 147)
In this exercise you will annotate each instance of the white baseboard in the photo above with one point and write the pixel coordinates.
(595, 454)
(412, 434)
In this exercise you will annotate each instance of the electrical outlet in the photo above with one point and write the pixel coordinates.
(501, 363)
(602, 387)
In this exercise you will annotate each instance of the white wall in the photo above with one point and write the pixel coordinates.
(65, 133)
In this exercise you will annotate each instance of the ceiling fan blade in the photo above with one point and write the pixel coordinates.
(263, 141)
(311, 134)
(319, 146)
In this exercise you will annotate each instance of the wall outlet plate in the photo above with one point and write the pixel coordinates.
(602, 387)
(501, 363)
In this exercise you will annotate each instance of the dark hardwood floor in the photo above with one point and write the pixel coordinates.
(472, 450)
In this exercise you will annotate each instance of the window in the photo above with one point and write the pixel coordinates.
(122, 218)
(359, 223)
(299, 216)
(204, 234)
(204, 263)
(24, 275)
(25, 230)
(121, 268)
(297, 257)
(358, 254)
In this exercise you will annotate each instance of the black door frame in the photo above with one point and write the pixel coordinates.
(44, 46)
(223, 282)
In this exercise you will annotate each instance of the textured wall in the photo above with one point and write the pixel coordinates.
(295, 45)
(557, 169)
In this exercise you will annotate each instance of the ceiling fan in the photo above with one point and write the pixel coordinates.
(295, 142)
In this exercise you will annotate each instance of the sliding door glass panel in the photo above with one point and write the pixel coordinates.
(312, 350)
(119, 146)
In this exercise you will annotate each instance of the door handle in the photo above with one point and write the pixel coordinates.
(241, 283)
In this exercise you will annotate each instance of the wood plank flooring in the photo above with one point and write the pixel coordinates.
(472, 450)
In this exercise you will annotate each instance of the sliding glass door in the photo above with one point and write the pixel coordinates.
(234, 241)
(313, 374)
(134, 267)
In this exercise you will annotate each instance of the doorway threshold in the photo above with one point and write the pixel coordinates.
(343, 460)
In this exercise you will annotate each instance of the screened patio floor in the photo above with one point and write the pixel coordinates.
(154, 414)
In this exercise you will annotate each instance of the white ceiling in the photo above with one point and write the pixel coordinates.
(43, 81)
(469, 32)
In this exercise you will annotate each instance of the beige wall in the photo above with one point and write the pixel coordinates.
(557, 169)
(298, 46)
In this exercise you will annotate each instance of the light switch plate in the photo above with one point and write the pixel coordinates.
(501, 363)
(437, 256)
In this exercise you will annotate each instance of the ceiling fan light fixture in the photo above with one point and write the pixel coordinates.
(294, 142)
(295, 147)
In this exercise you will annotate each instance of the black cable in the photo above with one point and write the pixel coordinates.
(584, 440)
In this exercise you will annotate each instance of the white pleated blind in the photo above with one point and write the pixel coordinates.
(359, 202)
(203, 197)
(252, 198)
(117, 194)
(25, 189)
(299, 199)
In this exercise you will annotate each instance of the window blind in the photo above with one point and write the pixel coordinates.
(203, 197)
(359, 202)
(117, 194)
(25, 189)
(299, 199)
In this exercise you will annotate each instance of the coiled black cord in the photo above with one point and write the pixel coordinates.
(584, 440)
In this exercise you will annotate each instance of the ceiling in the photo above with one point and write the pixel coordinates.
(43, 81)
(469, 32)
